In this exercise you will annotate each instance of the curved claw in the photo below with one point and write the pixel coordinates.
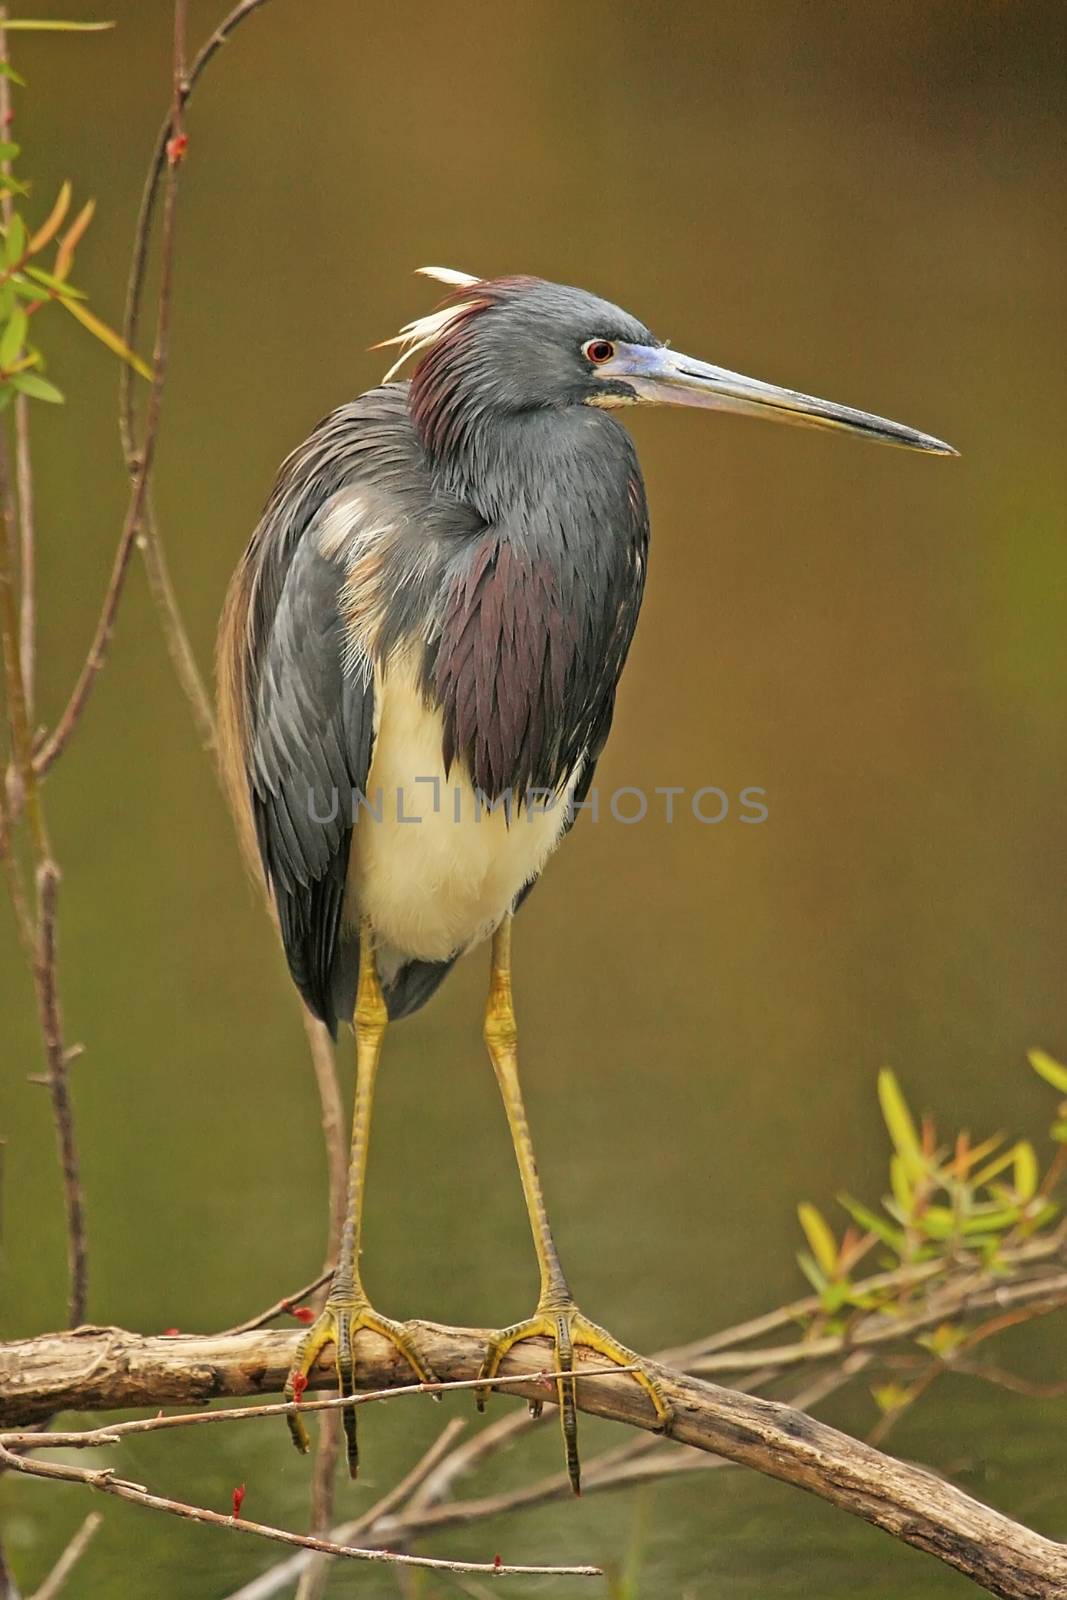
(337, 1324)
(566, 1327)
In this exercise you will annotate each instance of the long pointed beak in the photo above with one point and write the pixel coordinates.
(667, 377)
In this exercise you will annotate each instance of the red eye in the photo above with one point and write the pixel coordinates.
(598, 351)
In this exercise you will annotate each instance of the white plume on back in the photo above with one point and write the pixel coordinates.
(423, 331)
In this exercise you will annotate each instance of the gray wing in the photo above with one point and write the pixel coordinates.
(312, 740)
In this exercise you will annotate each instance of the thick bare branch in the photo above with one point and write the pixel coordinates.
(109, 1369)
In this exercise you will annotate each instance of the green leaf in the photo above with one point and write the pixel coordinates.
(833, 1297)
(9, 151)
(943, 1340)
(1047, 1067)
(811, 1271)
(1059, 1131)
(899, 1122)
(51, 226)
(873, 1223)
(13, 338)
(822, 1242)
(891, 1396)
(992, 1168)
(15, 240)
(58, 286)
(902, 1189)
(938, 1222)
(7, 394)
(38, 388)
(35, 25)
(8, 71)
(1026, 1171)
(997, 1221)
(108, 336)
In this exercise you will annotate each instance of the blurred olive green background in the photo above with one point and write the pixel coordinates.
(865, 202)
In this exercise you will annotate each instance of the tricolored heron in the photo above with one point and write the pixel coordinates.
(429, 625)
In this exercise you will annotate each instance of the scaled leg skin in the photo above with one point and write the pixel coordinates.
(556, 1317)
(347, 1308)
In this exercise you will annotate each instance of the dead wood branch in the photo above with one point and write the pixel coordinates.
(109, 1369)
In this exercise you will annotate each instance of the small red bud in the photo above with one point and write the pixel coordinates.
(177, 147)
(300, 1383)
(170, 1333)
(302, 1313)
(497, 1563)
(238, 1499)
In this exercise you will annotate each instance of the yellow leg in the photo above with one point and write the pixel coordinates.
(556, 1317)
(347, 1308)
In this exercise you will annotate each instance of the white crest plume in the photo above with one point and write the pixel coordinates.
(423, 331)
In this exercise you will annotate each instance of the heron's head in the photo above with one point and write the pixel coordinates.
(515, 345)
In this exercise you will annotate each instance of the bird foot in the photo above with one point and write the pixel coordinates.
(566, 1327)
(340, 1320)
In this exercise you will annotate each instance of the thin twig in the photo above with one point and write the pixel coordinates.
(151, 544)
(57, 1578)
(1011, 1381)
(23, 468)
(313, 1579)
(1044, 1248)
(293, 1568)
(175, 634)
(412, 1481)
(644, 1459)
(28, 793)
(27, 549)
(8, 1589)
(473, 1453)
(56, 741)
(15, 887)
(105, 1482)
(114, 1433)
(281, 1307)
(57, 1060)
(1035, 1295)
(138, 266)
